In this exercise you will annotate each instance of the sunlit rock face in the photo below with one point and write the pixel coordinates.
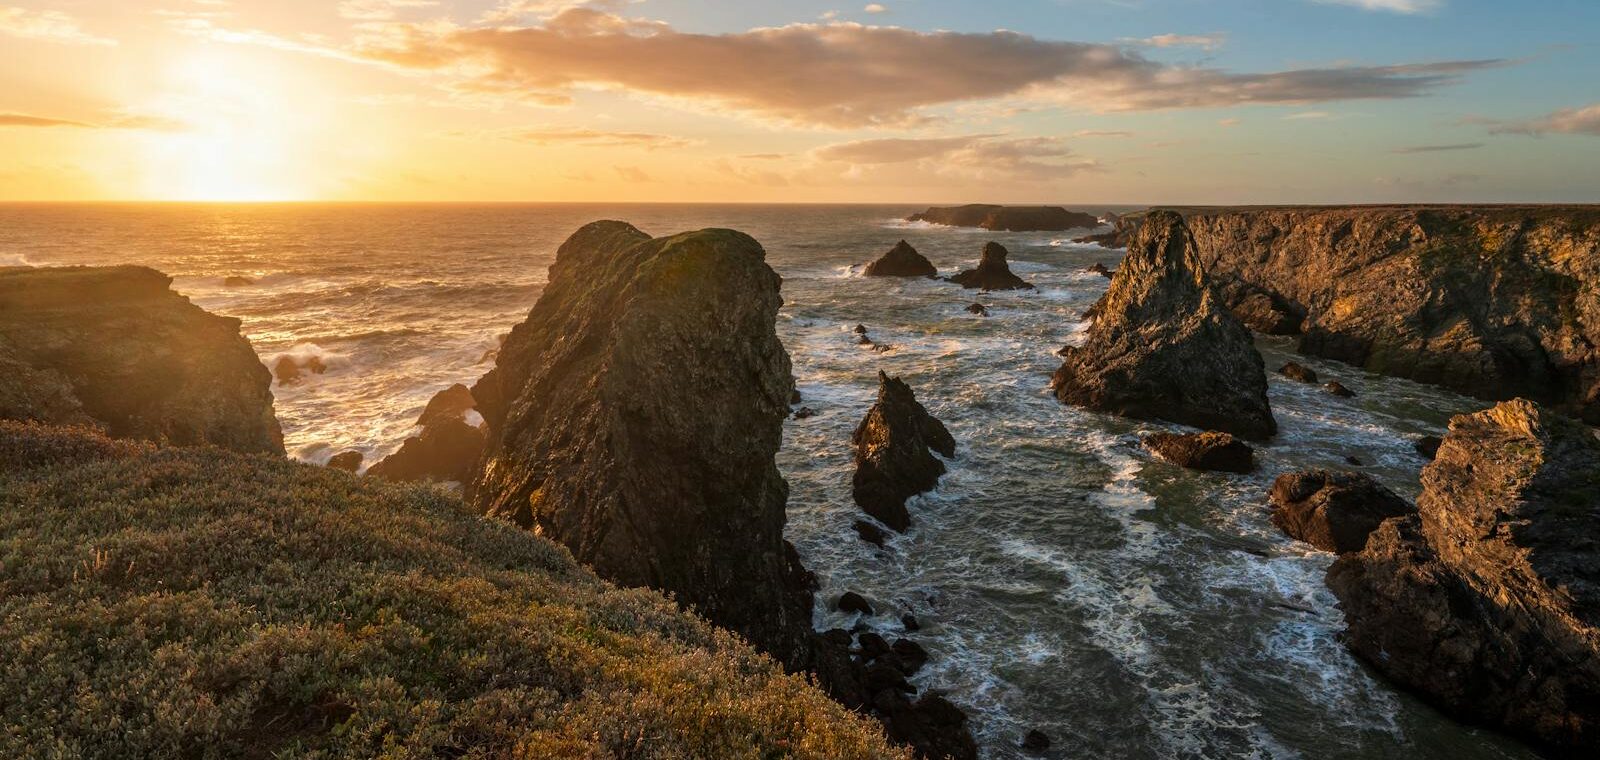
(116, 348)
(634, 417)
(1487, 602)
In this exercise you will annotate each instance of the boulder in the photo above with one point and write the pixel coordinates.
(931, 726)
(1428, 446)
(804, 413)
(634, 416)
(869, 532)
(1210, 450)
(446, 447)
(993, 273)
(1100, 269)
(894, 459)
(850, 601)
(1298, 373)
(1333, 511)
(1035, 742)
(1163, 347)
(910, 654)
(1337, 388)
(348, 461)
(1487, 602)
(117, 349)
(909, 622)
(901, 261)
(978, 309)
(1008, 218)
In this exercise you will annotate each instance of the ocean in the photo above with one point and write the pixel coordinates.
(1064, 578)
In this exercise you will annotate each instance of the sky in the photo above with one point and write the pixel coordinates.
(899, 101)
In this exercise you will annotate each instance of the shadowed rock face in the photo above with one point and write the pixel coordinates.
(993, 273)
(1333, 511)
(1008, 218)
(901, 261)
(446, 449)
(116, 348)
(634, 417)
(1163, 347)
(894, 459)
(1488, 601)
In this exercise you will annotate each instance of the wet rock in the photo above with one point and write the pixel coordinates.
(909, 622)
(993, 273)
(872, 645)
(446, 447)
(1354, 461)
(1163, 347)
(1008, 218)
(910, 654)
(901, 261)
(859, 329)
(116, 348)
(1487, 602)
(1211, 450)
(237, 281)
(978, 309)
(881, 676)
(1428, 446)
(1298, 372)
(349, 461)
(869, 533)
(894, 459)
(1333, 511)
(286, 369)
(1336, 388)
(931, 726)
(850, 601)
(804, 412)
(1036, 742)
(1100, 269)
(635, 415)
(794, 398)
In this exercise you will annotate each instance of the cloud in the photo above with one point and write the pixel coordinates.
(1101, 133)
(847, 75)
(378, 10)
(976, 157)
(1202, 41)
(1567, 121)
(592, 138)
(875, 8)
(1409, 7)
(119, 121)
(24, 120)
(1308, 116)
(1228, 122)
(52, 26)
(632, 174)
(1437, 148)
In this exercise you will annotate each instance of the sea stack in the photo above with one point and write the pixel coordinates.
(1487, 602)
(901, 261)
(634, 417)
(894, 459)
(1007, 218)
(447, 446)
(993, 273)
(1163, 347)
(115, 348)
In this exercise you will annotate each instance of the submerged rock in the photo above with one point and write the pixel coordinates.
(1163, 347)
(1337, 388)
(1008, 218)
(237, 281)
(894, 460)
(447, 446)
(116, 348)
(1203, 451)
(634, 417)
(1333, 511)
(1487, 602)
(1100, 269)
(901, 261)
(1298, 373)
(993, 273)
(978, 309)
(869, 532)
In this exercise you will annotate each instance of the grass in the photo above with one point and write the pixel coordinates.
(192, 603)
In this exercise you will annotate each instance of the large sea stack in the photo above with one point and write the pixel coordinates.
(901, 261)
(1008, 218)
(1487, 602)
(1163, 347)
(116, 348)
(993, 273)
(634, 417)
(894, 459)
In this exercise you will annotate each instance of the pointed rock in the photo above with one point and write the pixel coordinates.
(1163, 346)
(901, 261)
(446, 448)
(993, 273)
(893, 457)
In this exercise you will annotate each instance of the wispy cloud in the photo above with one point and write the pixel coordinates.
(379, 10)
(593, 138)
(984, 156)
(1567, 121)
(1308, 116)
(1102, 133)
(1408, 7)
(24, 120)
(118, 121)
(51, 26)
(1202, 41)
(1437, 148)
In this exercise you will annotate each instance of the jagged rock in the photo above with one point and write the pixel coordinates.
(116, 348)
(893, 457)
(1333, 511)
(859, 329)
(901, 261)
(1428, 446)
(237, 281)
(1100, 269)
(1203, 451)
(850, 601)
(1008, 218)
(1336, 388)
(993, 273)
(1162, 346)
(447, 447)
(1299, 373)
(869, 532)
(1036, 742)
(978, 309)
(349, 461)
(1487, 602)
(634, 417)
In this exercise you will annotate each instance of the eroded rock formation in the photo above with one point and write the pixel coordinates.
(1333, 511)
(993, 273)
(1008, 218)
(1163, 346)
(447, 446)
(116, 348)
(901, 261)
(894, 453)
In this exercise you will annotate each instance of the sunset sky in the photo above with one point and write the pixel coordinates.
(1069, 101)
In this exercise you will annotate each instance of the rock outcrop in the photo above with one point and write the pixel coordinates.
(1487, 602)
(901, 261)
(1211, 450)
(1008, 218)
(447, 446)
(116, 348)
(894, 453)
(993, 273)
(1163, 347)
(634, 417)
(1333, 511)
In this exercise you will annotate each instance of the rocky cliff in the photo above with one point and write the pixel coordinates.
(634, 417)
(116, 348)
(1007, 218)
(1488, 600)
(1491, 301)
